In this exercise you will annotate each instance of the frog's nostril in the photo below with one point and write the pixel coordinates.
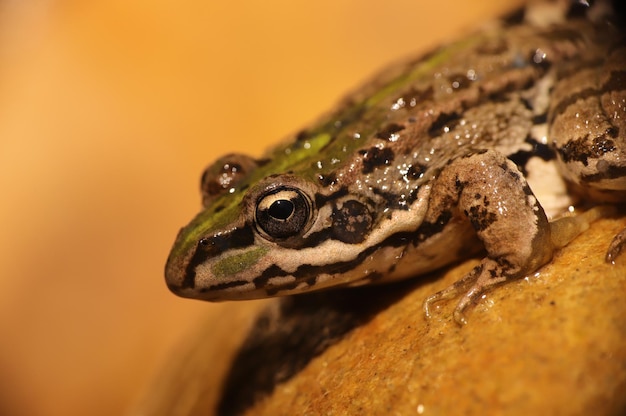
(211, 246)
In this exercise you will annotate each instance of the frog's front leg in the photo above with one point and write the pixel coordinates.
(488, 190)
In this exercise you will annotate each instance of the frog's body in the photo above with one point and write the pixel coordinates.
(426, 165)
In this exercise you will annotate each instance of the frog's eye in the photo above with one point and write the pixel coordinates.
(283, 212)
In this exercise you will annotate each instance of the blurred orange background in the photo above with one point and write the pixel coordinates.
(109, 111)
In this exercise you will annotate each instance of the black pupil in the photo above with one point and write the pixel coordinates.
(281, 209)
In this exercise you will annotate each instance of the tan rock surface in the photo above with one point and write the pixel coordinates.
(553, 343)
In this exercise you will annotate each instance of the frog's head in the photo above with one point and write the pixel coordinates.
(270, 234)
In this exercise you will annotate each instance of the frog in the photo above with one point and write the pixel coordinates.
(479, 148)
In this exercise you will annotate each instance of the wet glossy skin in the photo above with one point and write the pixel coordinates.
(429, 163)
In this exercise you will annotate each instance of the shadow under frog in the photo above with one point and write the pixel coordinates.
(288, 334)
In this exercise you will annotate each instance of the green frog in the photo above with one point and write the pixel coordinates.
(474, 148)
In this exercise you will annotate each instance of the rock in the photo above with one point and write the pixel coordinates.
(554, 342)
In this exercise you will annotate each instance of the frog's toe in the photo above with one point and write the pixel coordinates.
(451, 292)
(616, 247)
(482, 278)
(446, 294)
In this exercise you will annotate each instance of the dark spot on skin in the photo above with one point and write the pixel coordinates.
(328, 180)
(316, 238)
(401, 202)
(269, 273)
(423, 95)
(459, 186)
(459, 81)
(480, 217)
(415, 171)
(528, 192)
(512, 174)
(603, 145)
(445, 121)
(274, 290)
(413, 97)
(311, 280)
(218, 208)
(504, 264)
(375, 157)
(580, 150)
(352, 222)
(387, 132)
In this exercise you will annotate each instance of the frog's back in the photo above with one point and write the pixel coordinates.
(491, 90)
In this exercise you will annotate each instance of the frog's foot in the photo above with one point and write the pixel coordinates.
(486, 275)
(616, 247)
(492, 272)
